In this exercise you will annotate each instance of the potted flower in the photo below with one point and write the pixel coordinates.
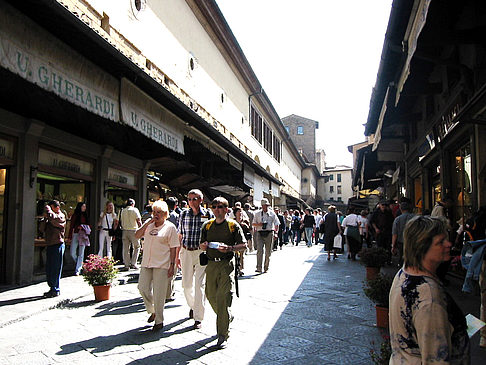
(378, 290)
(100, 272)
(373, 259)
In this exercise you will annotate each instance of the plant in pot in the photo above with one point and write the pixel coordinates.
(100, 272)
(378, 290)
(373, 259)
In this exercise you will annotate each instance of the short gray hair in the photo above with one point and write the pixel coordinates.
(417, 238)
(196, 192)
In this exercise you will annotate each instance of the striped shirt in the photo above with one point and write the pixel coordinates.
(190, 226)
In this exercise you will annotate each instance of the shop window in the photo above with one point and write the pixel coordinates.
(462, 184)
(3, 216)
(300, 130)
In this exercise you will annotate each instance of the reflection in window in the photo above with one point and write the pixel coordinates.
(300, 129)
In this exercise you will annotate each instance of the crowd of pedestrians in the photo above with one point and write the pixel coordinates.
(200, 241)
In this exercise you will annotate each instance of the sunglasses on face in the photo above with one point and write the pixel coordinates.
(218, 206)
(191, 199)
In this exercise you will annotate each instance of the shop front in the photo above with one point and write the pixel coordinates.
(63, 177)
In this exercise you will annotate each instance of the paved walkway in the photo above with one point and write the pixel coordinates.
(305, 310)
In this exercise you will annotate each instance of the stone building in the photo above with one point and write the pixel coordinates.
(302, 131)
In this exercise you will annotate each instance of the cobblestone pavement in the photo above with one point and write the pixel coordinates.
(305, 310)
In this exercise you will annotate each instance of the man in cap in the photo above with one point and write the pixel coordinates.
(266, 224)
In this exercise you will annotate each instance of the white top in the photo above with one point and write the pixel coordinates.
(363, 225)
(157, 242)
(269, 217)
(110, 217)
(350, 220)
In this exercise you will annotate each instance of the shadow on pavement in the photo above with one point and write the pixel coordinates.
(20, 300)
(328, 320)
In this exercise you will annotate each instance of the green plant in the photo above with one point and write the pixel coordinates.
(374, 257)
(99, 270)
(378, 289)
(382, 357)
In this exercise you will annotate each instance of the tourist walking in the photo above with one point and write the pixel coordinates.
(131, 220)
(309, 225)
(193, 273)
(397, 231)
(331, 227)
(351, 231)
(266, 224)
(296, 223)
(160, 242)
(221, 238)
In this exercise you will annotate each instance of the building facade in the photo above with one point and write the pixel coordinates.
(106, 100)
(336, 185)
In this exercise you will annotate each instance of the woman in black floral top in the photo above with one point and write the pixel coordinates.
(426, 325)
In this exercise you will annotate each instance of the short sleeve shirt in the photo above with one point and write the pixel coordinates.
(190, 226)
(129, 217)
(157, 242)
(222, 233)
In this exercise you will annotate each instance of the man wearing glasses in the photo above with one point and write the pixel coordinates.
(221, 237)
(193, 274)
(266, 224)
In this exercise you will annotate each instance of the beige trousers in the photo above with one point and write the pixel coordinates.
(152, 285)
(128, 239)
(193, 282)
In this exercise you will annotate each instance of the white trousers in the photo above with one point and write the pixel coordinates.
(152, 285)
(104, 238)
(193, 282)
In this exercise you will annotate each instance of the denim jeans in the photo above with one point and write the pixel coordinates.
(79, 257)
(296, 236)
(308, 235)
(54, 257)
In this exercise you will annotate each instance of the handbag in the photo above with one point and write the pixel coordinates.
(338, 242)
(111, 231)
(353, 232)
(203, 259)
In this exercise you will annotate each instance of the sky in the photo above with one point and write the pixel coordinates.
(315, 58)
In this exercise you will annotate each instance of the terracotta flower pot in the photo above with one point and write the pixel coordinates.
(101, 292)
(381, 317)
(372, 272)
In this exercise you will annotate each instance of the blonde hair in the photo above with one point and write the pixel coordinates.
(105, 210)
(417, 238)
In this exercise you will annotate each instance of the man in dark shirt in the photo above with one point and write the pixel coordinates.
(382, 222)
(221, 237)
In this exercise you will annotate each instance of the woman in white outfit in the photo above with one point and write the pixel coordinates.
(160, 241)
(107, 221)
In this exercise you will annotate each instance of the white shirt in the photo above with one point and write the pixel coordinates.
(157, 242)
(269, 217)
(110, 217)
(363, 221)
(350, 220)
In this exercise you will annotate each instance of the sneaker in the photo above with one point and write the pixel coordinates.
(197, 325)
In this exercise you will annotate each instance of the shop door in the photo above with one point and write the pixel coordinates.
(3, 221)
(69, 192)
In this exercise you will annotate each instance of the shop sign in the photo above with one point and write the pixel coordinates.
(6, 149)
(448, 121)
(121, 177)
(66, 163)
(248, 177)
(141, 112)
(30, 52)
(426, 146)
